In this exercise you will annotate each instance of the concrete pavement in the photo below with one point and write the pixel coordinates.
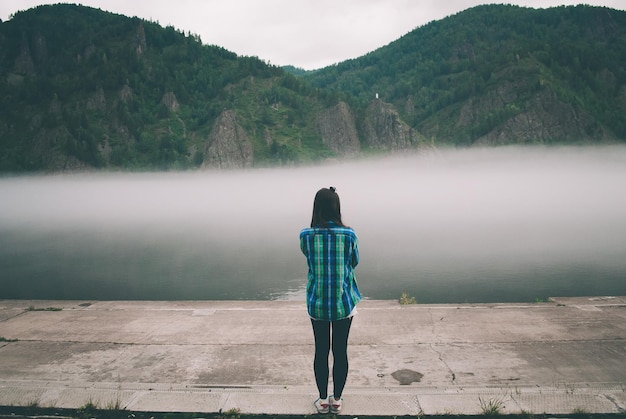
(560, 357)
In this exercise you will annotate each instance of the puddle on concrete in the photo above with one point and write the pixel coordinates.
(406, 377)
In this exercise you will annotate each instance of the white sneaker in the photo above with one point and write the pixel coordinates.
(335, 405)
(321, 405)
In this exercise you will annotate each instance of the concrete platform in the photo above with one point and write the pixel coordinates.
(561, 357)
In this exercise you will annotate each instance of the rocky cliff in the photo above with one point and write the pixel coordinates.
(337, 128)
(383, 129)
(545, 120)
(228, 146)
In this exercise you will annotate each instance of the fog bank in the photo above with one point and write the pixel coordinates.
(438, 225)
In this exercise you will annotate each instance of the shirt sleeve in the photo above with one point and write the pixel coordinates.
(303, 242)
(355, 251)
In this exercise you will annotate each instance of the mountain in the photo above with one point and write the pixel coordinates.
(500, 74)
(84, 89)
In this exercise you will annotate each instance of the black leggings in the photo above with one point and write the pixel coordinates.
(322, 333)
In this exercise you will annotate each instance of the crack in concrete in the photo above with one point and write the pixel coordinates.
(21, 313)
(439, 354)
(618, 406)
(443, 361)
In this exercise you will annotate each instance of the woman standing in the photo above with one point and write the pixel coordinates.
(332, 253)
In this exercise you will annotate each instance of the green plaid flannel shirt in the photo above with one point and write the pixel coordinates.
(332, 253)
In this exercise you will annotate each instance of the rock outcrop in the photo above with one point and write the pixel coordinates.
(140, 45)
(338, 130)
(384, 130)
(46, 150)
(228, 146)
(510, 117)
(170, 102)
(547, 120)
(97, 101)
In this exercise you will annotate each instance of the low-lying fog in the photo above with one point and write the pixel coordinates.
(502, 224)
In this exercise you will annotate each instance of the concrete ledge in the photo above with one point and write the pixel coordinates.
(297, 401)
(560, 357)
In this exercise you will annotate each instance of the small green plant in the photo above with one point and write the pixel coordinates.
(233, 413)
(33, 404)
(491, 407)
(3, 339)
(87, 411)
(114, 405)
(406, 299)
(33, 308)
(580, 411)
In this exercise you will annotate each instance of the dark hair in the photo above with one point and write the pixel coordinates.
(326, 208)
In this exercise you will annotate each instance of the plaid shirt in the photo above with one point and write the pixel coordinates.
(331, 254)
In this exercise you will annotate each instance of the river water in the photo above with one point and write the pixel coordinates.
(486, 225)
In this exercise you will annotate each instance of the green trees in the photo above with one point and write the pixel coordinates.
(103, 78)
(83, 86)
(444, 63)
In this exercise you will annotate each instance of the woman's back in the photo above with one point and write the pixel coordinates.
(332, 253)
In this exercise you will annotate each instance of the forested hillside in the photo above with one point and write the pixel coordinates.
(501, 74)
(85, 89)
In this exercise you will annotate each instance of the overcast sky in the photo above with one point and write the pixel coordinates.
(305, 33)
